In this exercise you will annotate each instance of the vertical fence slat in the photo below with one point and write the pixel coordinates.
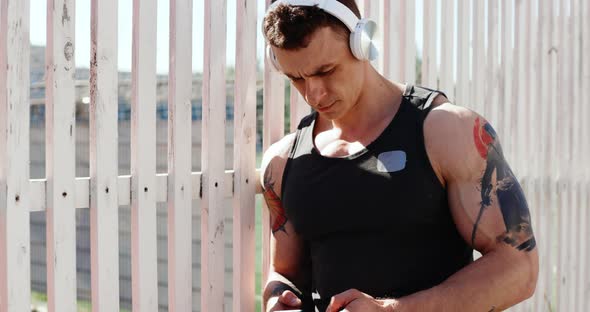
(575, 136)
(274, 129)
(565, 108)
(534, 71)
(584, 150)
(362, 5)
(551, 53)
(519, 84)
(564, 123)
(586, 277)
(564, 211)
(388, 18)
(15, 274)
(548, 238)
(578, 244)
(507, 108)
(463, 54)
(144, 259)
(244, 158)
(392, 51)
(409, 40)
(516, 101)
(542, 144)
(368, 6)
(179, 157)
(104, 217)
(575, 72)
(572, 250)
(531, 196)
(429, 73)
(553, 155)
(586, 85)
(570, 46)
(60, 157)
(491, 88)
(536, 198)
(526, 95)
(479, 61)
(563, 278)
(375, 14)
(580, 11)
(212, 216)
(527, 188)
(552, 233)
(447, 64)
(552, 236)
(298, 108)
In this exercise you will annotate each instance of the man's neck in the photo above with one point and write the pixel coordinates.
(378, 102)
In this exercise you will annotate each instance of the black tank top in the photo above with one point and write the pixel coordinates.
(377, 220)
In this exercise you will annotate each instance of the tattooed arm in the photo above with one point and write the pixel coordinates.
(289, 276)
(490, 212)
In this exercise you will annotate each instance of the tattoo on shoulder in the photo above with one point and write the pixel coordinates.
(511, 199)
(274, 202)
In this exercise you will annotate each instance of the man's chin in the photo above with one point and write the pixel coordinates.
(328, 115)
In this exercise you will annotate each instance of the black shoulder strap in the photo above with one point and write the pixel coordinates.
(421, 98)
(307, 120)
(305, 125)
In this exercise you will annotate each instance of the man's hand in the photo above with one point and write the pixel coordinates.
(286, 301)
(353, 300)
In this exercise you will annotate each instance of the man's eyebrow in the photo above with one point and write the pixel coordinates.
(322, 69)
(318, 71)
(291, 76)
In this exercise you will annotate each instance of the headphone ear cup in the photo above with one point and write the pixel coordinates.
(362, 42)
(272, 59)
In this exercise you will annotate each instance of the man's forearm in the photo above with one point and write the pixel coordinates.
(494, 282)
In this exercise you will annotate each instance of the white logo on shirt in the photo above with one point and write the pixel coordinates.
(391, 161)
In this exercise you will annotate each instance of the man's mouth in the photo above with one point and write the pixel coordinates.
(326, 107)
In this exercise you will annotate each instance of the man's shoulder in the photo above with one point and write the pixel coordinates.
(447, 116)
(280, 148)
(449, 137)
(275, 157)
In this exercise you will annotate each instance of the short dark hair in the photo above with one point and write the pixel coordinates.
(289, 27)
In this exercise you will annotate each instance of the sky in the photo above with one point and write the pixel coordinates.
(125, 14)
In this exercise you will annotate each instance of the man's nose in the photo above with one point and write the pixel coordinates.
(315, 91)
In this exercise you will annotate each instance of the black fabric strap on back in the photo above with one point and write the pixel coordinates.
(422, 98)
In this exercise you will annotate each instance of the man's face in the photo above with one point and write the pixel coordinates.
(325, 73)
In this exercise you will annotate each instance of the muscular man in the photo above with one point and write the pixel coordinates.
(379, 198)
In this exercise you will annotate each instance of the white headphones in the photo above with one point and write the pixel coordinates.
(362, 31)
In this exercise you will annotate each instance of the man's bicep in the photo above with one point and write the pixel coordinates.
(287, 248)
(491, 196)
(278, 216)
(272, 169)
(486, 220)
(288, 252)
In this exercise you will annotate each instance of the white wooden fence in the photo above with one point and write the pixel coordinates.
(523, 64)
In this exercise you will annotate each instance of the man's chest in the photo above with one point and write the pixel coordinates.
(338, 148)
(330, 143)
(376, 191)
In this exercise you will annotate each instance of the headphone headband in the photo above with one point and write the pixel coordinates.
(333, 7)
(362, 31)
